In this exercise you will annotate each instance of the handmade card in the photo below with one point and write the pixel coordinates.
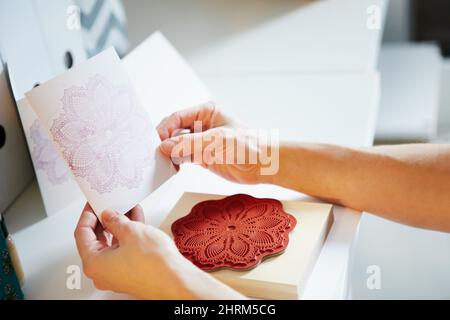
(57, 186)
(103, 132)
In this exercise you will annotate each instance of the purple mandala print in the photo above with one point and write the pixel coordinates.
(45, 157)
(103, 134)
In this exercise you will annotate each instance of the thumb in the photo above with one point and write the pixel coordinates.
(117, 224)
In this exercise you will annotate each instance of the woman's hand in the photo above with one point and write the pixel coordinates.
(140, 260)
(217, 143)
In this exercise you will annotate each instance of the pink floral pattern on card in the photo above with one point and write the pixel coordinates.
(45, 157)
(103, 134)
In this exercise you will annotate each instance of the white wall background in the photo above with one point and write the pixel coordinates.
(209, 21)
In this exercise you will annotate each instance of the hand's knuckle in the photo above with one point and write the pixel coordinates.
(173, 115)
(115, 219)
(128, 229)
(207, 106)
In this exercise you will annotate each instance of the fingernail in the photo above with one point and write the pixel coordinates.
(108, 214)
(163, 133)
(167, 146)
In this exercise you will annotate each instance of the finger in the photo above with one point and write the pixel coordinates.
(100, 233)
(116, 224)
(135, 214)
(85, 237)
(185, 148)
(207, 114)
(114, 242)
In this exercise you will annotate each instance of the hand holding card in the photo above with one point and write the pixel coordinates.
(103, 133)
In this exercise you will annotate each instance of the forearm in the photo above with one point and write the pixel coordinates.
(198, 285)
(409, 184)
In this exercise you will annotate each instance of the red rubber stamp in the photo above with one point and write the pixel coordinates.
(236, 232)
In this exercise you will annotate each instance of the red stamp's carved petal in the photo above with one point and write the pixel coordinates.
(214, 251)
(236, 232)
(235, 208)
(213, 213)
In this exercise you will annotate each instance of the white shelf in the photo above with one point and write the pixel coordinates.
(410, 83)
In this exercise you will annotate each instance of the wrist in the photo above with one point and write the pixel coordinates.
(194, 284)
(273, 168)
(184, 276)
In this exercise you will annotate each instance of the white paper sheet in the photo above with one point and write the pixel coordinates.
(102, 131)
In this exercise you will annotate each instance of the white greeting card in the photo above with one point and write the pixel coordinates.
(58, 188)
(102, 131)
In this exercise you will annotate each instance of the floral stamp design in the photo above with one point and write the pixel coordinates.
(103, 135)
(236, 232)
(45, 157)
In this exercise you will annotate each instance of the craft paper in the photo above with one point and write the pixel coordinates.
(57, 186)
(236, 232)
(102, 131)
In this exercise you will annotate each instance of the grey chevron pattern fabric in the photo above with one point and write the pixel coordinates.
(103, 24)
